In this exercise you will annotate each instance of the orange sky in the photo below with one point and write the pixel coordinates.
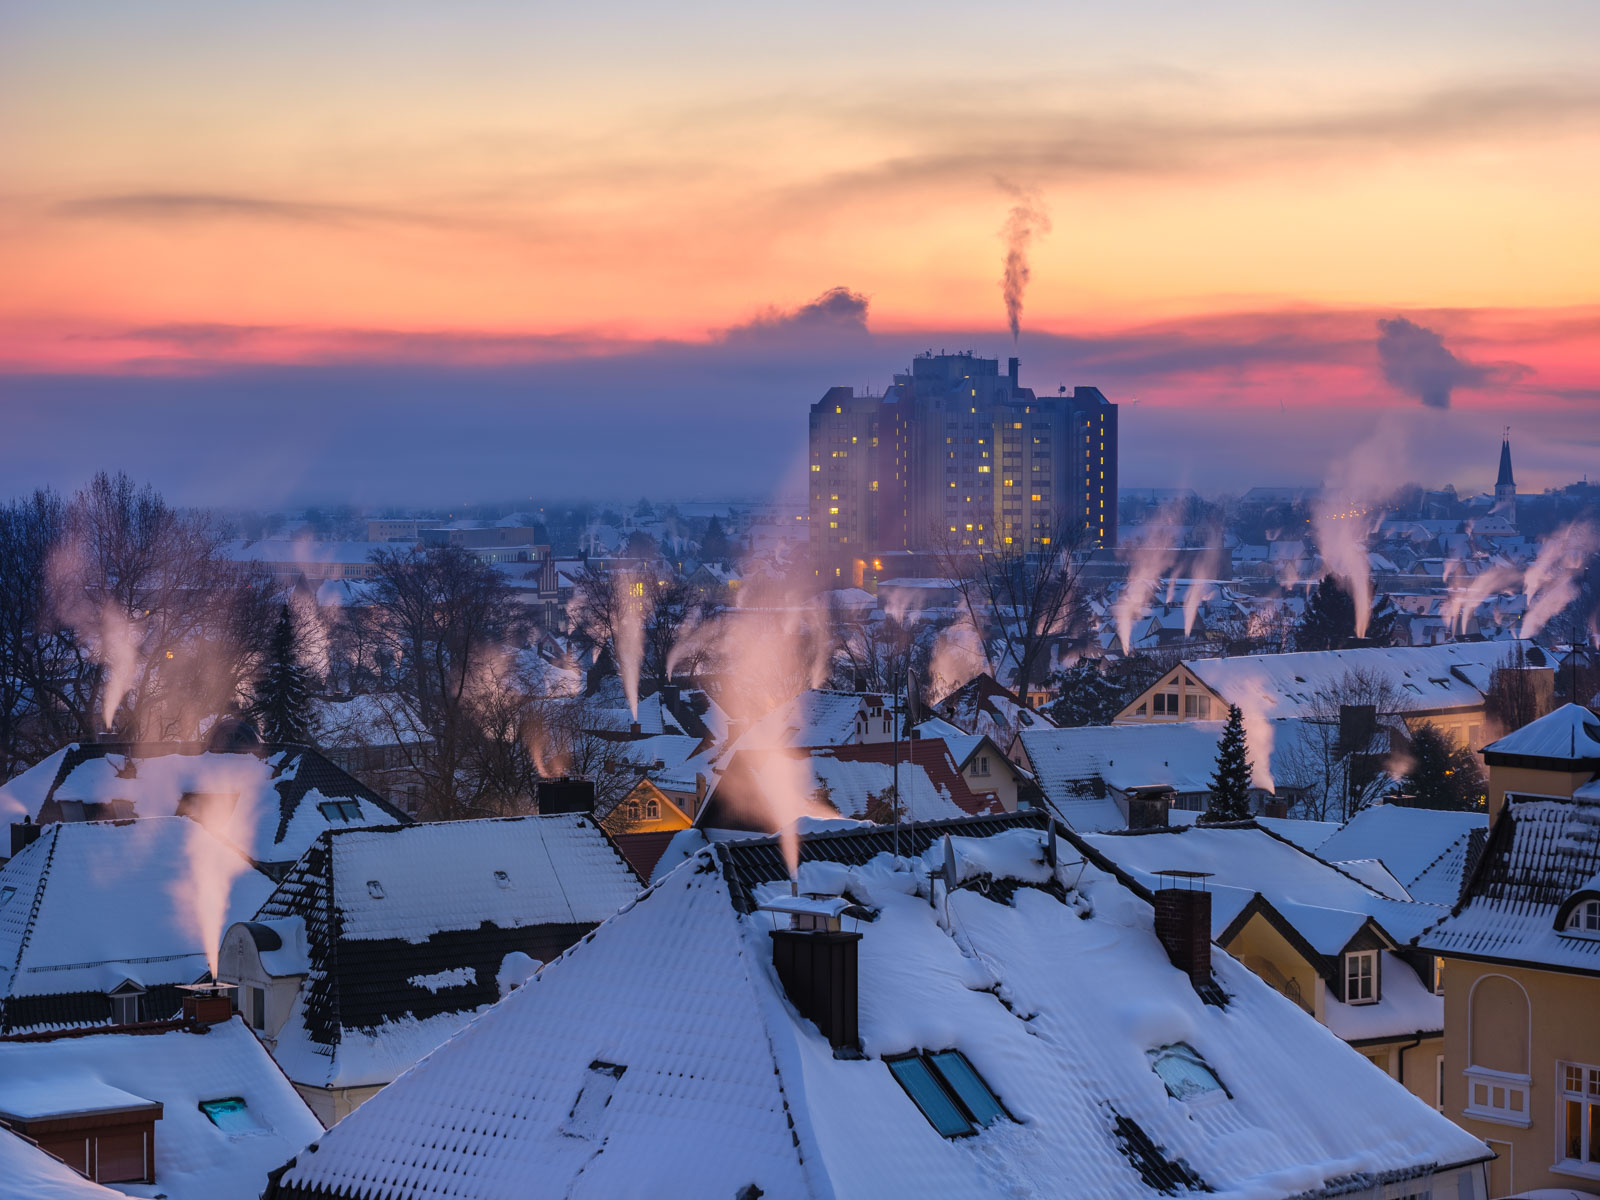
(385, 169)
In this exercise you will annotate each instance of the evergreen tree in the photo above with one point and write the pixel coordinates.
(1087, 696)
(1230, 786)
(282, 702)
(714, 545)
(1442, 774)
(1329, 622)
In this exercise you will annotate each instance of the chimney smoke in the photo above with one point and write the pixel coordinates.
(1027, 218)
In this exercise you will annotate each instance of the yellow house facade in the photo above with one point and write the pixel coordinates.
(1522, 963)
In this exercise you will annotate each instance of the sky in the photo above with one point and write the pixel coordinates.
(390, 252)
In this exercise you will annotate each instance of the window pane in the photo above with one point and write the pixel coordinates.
(230, 1116)
(1574, 1130)
(1594, 1143)
(967, 1084)
(917, 1079)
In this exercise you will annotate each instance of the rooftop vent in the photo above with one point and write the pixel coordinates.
(1183, 922)
(816, 963)
(1148, 807)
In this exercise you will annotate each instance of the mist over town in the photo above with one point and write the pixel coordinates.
(811, 604)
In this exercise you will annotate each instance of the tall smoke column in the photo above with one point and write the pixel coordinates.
(112, 638)
(628, 636)
(1210, 565)
(1464, 601)
(1150, 562)
(1350, 510)
(770, 647)
(1550, 584)
(205, 889)
(1027, 218)
(1259, 733)
(958, 657)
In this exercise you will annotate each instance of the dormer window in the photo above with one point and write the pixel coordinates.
(125, 1003)
(340, 810)
(1584, 918)
(1361, 977)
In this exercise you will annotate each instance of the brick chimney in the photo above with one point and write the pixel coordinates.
(816, 963)
(1148, 807)
(24, 833)
(207, 1003)
(566, 796)
(1183, 922)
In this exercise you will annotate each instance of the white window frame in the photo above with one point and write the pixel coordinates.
(1497, 1096)
(1583, 920)
(1587, 1096)
(1352, 960)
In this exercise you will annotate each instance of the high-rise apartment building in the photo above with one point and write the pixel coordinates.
(957, 455)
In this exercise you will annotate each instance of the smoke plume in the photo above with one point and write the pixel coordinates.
(1550, 584)
(1150, 563)
(1463, 602)
(113, 640)
(628, 636)
(1350, 510)
(1210, 567)
(1415, 360)
(1027, 218)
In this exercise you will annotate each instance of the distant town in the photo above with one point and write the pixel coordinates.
(971, 826)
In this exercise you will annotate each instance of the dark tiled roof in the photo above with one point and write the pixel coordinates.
(644, 850)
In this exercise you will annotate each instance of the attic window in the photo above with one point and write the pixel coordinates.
(1361, 977)
(231, 1115)
(1584, 918)
(125, 1003)
(1185, 1074)
(950, 1093)
(340, 810)
(375, 889)
(503, 879)
(593, 1098)
(1411, 687)
(5, 895)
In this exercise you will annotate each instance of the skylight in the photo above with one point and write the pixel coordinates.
(231, 1115)
(950, 1093)
(1186, 1075)
(340, 810)
(5, 895)
(375, 889)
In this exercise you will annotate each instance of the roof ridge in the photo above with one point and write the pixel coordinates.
(38, 900)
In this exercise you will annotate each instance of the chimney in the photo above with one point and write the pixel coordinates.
(1148, 807)
(207, 1003)
(1011, 369)
(670, 694)
(1275, 808)
(636, 729)
(1183, 922)
(24, 833)
(816, 963)
(566, 795)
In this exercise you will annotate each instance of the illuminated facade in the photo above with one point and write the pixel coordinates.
(957, 455)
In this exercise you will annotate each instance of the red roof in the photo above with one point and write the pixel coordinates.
(644, 850)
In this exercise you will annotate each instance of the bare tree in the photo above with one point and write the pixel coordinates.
(1023, 599)
(445, 617)
(1341, 756)
(1512, 701)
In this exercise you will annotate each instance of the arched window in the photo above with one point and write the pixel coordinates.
(652, 810)
(1498, 1033)
(1584, 918)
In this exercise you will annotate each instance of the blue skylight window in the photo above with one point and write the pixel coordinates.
(952, 1095)
(231, 1115)
(1186, 1075)
(968, 1086)
(594, 1097)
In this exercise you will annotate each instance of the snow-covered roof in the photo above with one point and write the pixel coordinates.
(1407, 840)
(1308, 835)
(856, 781)
(303, 552)
(1540, 853)
(662, 1057)
(270, 804)
(813, 718)
(405, 930)
(1569, 734)
(98, 903)
(1425, 678)
(1246, 859)
(180, 1069)
(30, 1172)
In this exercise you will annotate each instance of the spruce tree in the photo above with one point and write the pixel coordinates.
(1329, 622)
(1230, 786)
(1442, 774)
(282, 702)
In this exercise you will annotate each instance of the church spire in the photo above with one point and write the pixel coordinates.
(1505, 479)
